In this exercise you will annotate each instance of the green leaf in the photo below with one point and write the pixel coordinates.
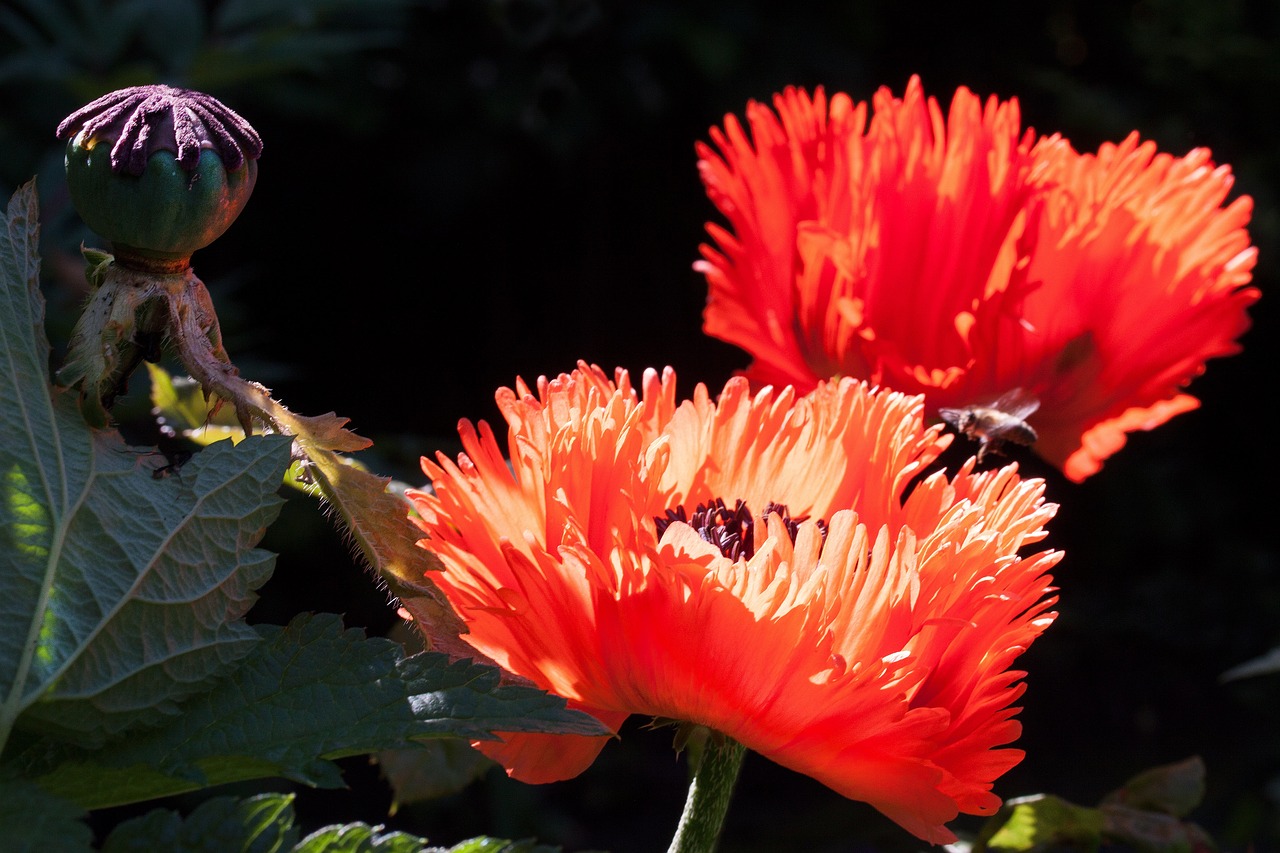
(1040, 821)
(359, 838)
(262, 824)
(495, 845)
(120, 594)
(308, 693)
(35, 821)
(181, 409)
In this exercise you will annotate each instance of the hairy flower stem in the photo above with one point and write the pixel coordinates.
(715, 772)
(194, 333)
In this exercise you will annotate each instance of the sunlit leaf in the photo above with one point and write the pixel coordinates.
(181, 409)
(495, 845)
(120, 593)
(1144, 814)
(1032, 823)
(360, 838)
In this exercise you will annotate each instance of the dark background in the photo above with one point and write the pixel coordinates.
(456, 193)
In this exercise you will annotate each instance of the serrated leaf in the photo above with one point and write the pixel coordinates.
(362, 838)
(308, 693)
(486, 844)
(436, 768)
(261, 824)
(120, 594)
(359, 838)
(378, 519)
(36, 821)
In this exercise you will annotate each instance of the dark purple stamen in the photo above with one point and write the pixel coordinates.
(731, 530)
(792, 524)
(141, 120)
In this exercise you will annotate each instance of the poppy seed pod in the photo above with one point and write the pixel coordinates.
(159, 171)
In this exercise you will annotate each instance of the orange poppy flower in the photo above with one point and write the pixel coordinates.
(750, 564)
(962, 258)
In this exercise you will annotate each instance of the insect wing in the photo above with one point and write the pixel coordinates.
(1017, 404)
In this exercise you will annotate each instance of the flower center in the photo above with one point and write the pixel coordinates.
(732, 530)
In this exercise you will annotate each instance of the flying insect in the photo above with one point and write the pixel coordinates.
(993, 424)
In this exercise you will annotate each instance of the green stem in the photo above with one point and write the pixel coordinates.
(715, 773)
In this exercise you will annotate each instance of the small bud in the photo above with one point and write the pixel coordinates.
(159, 171)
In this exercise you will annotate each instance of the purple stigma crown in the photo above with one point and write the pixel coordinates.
(141, 120)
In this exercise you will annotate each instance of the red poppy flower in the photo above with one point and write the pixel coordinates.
(960, 257)
(750, 564)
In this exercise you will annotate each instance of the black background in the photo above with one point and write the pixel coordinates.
(469, 191)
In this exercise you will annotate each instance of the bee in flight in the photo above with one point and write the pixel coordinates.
(993, 424)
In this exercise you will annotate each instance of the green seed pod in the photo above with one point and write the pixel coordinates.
(159, 171)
